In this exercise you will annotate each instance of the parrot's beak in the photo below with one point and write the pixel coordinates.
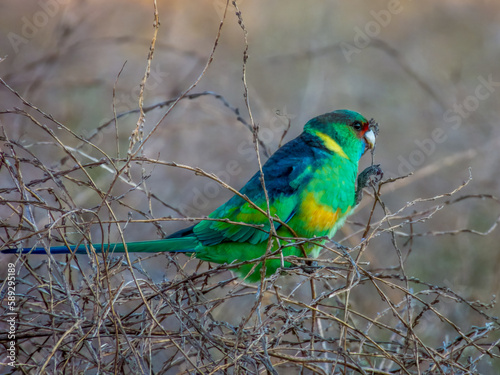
(370, 139)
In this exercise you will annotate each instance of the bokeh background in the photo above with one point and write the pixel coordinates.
(427, 71)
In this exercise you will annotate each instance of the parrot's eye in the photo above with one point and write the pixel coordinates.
(357, 126)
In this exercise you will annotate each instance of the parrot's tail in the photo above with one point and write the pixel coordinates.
(174, 245)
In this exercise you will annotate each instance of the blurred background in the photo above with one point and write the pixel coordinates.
(427, 71)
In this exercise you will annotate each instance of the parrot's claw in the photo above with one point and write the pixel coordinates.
(371, 176)
(310, 266)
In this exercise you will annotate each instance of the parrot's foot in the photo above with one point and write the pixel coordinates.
(310, 266)
(371, 176)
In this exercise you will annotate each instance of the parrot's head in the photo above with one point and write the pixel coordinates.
(344, 132)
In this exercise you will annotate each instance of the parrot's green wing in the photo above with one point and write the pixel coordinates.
(285, 174)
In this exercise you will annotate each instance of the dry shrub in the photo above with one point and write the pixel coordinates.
(108, 313)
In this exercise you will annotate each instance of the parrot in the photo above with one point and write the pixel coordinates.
(305, 190)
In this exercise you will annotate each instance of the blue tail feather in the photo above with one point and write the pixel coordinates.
(173, 245)
(43, 250)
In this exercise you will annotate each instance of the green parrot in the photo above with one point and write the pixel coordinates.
(311, 189)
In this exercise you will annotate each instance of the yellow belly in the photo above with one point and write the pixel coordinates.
(318, 218)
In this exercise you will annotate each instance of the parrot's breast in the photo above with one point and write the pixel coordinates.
(318, 219)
